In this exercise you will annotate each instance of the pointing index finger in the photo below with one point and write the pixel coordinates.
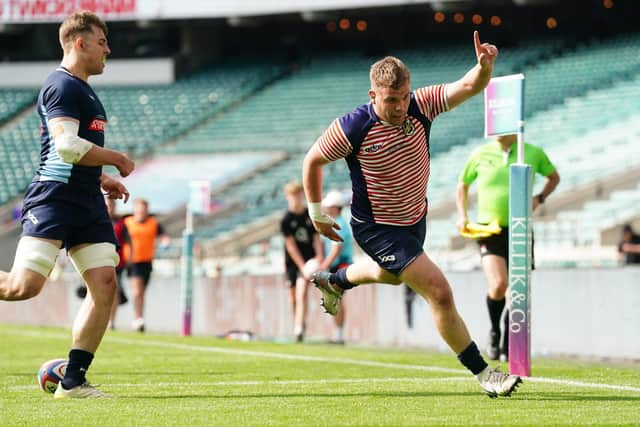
(476, 41)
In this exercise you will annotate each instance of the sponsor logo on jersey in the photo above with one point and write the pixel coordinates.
(373, 148)
(97, 125)
(408, 128)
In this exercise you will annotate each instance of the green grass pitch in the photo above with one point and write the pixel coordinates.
(158, 380)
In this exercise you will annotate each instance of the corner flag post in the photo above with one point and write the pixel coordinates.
(504, 115)
(186, 274)
(199, 203)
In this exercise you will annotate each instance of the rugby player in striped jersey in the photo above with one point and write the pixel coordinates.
(386, 146)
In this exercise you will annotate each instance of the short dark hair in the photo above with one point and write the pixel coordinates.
(79, 23)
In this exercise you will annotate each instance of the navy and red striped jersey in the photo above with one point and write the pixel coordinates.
(389, 165)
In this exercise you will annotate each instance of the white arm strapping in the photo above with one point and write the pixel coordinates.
(316, 215)
(69, 146)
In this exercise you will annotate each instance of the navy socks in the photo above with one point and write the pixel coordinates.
(340, 279)
(472, 360)
(79, 361)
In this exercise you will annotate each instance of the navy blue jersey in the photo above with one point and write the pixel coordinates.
(64, 95)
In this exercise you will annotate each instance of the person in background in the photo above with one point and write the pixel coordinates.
(122, 236)
(144, 230)
(301, 243)
(629, 246)
(488, 166)
(337, 254)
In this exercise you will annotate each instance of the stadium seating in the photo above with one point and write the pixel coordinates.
(263, 195)
(144, 118)
(308, 111)
(452, 134)
(140, 118)
(592, 66)
(302, 111)
(571, 93)
(13, 101)
(19, 156)
(289, 115)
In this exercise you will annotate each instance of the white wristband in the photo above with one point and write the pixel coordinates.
(316, 215)
(315, 210)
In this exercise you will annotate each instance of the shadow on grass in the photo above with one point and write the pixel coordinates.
(577, 397)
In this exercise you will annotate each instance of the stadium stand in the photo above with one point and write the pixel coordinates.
(144, 118)
(308, 112)
(140, 118)
(288, 115)
(452, 134)
(19, 155)
(590, 66)
(13, 101)
(571, 93)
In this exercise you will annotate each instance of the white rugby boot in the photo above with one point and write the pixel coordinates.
(496, 383)
(82, 391)
(331, 293)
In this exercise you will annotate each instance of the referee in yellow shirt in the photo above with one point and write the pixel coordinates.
(488, 166)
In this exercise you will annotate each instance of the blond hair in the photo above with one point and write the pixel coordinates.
(79, 23)
(293, 187)
(141, 201)
(389, 72)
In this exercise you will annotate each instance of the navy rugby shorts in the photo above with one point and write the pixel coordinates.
(54, 210)
(392, 247)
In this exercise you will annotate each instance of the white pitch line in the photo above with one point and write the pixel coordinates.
(267, 382)
(275, 355)
(287, 356)
(253, 353)
(582, 384)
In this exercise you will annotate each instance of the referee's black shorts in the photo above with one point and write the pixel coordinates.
(140, 269)
(498, 244)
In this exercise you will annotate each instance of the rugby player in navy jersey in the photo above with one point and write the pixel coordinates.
(64, 205)
(386, 146)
